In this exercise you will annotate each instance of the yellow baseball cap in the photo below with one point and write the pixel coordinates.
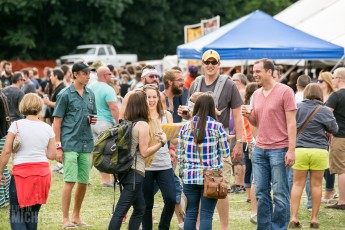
(210, 54)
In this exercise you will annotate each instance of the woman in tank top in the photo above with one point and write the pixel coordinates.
(158, 168)
(132, 193)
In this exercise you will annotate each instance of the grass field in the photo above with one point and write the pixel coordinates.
(97, 210)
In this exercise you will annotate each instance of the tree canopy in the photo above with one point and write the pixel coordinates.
(47, 29)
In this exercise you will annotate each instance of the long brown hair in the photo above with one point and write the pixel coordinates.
(159, 108)
(248, 92)
(137, 107)
(204, 106)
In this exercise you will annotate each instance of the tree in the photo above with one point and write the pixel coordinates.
(47, 29)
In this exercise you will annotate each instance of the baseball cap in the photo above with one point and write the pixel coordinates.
(192, 68)
(81, 66)
(210, 54)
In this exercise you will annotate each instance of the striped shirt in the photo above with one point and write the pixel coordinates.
(214, 145)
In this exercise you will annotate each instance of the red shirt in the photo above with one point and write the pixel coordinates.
(270, 116)
(32, 183)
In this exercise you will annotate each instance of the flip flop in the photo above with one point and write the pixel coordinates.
(81, 224)
(336, 206)
(69, 226)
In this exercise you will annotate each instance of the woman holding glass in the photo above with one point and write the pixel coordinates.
(212, 143)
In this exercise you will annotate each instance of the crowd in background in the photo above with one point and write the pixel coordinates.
(110, 96)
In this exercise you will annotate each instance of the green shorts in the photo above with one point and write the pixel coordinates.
(311, 159)
(76, 167)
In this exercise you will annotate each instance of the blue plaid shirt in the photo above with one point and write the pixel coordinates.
(214, 145)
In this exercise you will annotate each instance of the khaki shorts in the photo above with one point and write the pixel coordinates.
(76, 167)
(337, 155)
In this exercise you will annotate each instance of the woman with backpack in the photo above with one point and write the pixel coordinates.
(132, 194)
(212, 143)
(158, 168)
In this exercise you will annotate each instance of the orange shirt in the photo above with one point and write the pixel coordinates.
(247, 133)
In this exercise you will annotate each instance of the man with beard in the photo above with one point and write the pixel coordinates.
(173, 86)
(149, 75)
(6, 75)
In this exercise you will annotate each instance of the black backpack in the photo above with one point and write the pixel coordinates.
(5, 120)
(113, 147)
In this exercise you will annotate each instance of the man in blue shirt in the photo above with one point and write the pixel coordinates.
(74, 141)
(107, 110)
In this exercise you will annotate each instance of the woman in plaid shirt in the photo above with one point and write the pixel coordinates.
(212, 141)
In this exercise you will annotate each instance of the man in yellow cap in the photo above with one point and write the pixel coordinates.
(226, 97)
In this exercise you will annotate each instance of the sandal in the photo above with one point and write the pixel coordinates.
(336, 206)
(314, 225)
(69, 226)
(295, 224)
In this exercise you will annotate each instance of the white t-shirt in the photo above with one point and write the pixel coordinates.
(299, 97)
(34, 136)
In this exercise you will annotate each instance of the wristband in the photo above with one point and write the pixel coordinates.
(58, 148)
(239, 140)
(172, 147)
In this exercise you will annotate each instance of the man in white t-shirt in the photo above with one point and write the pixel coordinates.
(302, 82)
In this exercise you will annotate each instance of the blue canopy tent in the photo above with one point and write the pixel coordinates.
(258, 35)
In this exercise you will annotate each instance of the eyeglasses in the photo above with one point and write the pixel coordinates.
(320, 81)
(235, 80)
(210, 62)
(154, 76)
(21, 79)
(179, 80)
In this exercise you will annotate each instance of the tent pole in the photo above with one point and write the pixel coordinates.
(336, 65)
(290, 70)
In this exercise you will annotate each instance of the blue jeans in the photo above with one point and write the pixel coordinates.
(269, 167)
(166, 183)
(22, 218)
(330, 179)
(194, 194)
(307, 186)
(129, 197)
(178, 187)
(248, 175)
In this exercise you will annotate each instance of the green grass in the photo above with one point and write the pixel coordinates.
(97, 210)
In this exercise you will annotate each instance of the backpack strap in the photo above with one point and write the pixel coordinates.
(218, 89)
(197, 84)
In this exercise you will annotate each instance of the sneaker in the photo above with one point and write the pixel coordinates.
(104, 185)
(254, 219)
(57, 168)
(181, 226)
(309, 209)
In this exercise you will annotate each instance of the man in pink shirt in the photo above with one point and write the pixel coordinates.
(274, 114)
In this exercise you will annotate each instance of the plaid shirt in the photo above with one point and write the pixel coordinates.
(214, 144)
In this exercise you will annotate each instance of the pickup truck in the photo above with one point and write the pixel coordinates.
(97, 52)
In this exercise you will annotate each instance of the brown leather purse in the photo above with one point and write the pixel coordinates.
(214, 186)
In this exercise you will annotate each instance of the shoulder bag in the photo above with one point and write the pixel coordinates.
(214, 187)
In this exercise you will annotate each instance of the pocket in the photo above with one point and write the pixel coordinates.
(73, 112)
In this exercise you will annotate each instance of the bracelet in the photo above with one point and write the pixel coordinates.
(239, 140)
(172, 147)
(58, 148)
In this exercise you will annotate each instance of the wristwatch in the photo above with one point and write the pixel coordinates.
(162, 143)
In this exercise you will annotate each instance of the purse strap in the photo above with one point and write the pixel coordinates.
(196, 142)
(7, 111)
(309, 118)
(17, 128)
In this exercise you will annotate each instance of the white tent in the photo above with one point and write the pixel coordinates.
(322, 18)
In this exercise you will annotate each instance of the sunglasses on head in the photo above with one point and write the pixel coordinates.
(210, 62)
(154, 76)
(150, 86)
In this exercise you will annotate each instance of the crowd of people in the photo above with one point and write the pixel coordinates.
(274, 135)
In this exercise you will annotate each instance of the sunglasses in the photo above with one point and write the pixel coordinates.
(320, 81)
(154, 76)
(210, 62)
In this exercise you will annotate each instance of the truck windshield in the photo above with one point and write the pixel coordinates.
(84, 51)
